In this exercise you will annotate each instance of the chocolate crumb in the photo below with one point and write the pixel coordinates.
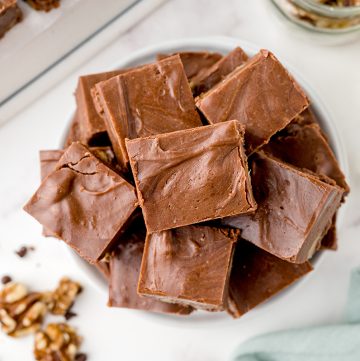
(69, 314)
(22, 252)
(81, 357)
(6, 279)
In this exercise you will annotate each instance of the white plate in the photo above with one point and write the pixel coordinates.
(222, 45)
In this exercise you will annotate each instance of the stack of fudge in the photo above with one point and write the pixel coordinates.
(10, 15)
(199, 181)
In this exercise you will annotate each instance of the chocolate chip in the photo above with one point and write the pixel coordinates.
(22, 252)
(6, 279)
(81, 357)
(69, 314)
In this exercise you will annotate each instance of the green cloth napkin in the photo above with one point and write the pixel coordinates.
(340, 342)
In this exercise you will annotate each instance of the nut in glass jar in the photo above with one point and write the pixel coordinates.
(330, 16)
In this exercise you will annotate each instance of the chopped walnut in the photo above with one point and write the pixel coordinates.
(57, 342)
(340, 3)
(64, 296)
(42, 5)
(21, 312)
(12, 292)
(314, 19)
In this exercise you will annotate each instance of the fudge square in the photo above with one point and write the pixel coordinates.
(191, 176)
(306, 147)
(50, 158)
(303, 144)
(307, 117)
(92, 129)
(295, 210)
(84, 203)
(125, 262)
(207, 78)
(194, 62)
(153, 99)
(330, 239)
(73, 133)
(188, 265)
(261, 95)
(257, 275)
(10, 15)
(48, 161)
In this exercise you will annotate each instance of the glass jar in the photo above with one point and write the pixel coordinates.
(317, 16)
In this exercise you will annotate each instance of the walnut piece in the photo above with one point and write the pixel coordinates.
(64, 296)
(314, 19)
(21, 312)
(44, 5)
(57, 342)
(340, 3)
(13, 292)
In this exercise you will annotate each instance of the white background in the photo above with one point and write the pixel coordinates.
(116, 334)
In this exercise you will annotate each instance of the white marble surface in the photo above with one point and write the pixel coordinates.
(113, 334)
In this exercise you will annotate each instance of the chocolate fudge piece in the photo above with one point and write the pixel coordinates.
(125, 262)
(295, 210)
(92, 126)
(49, 159)
(303, 144)
(73, 134)
(48, 162)
(257, 275)
(188, 265)
(84, 203)
(209, 77)
(150, 100)
(330, 239)
(96, 97)
(306, 147)
(104, 268)
(44, 5)
(307, 117)
(10, 15)
(191, 176)
(194, 61)
(261, 94)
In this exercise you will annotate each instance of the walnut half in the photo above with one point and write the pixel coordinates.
(21, 312)
(57, 342)
(64, 296)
